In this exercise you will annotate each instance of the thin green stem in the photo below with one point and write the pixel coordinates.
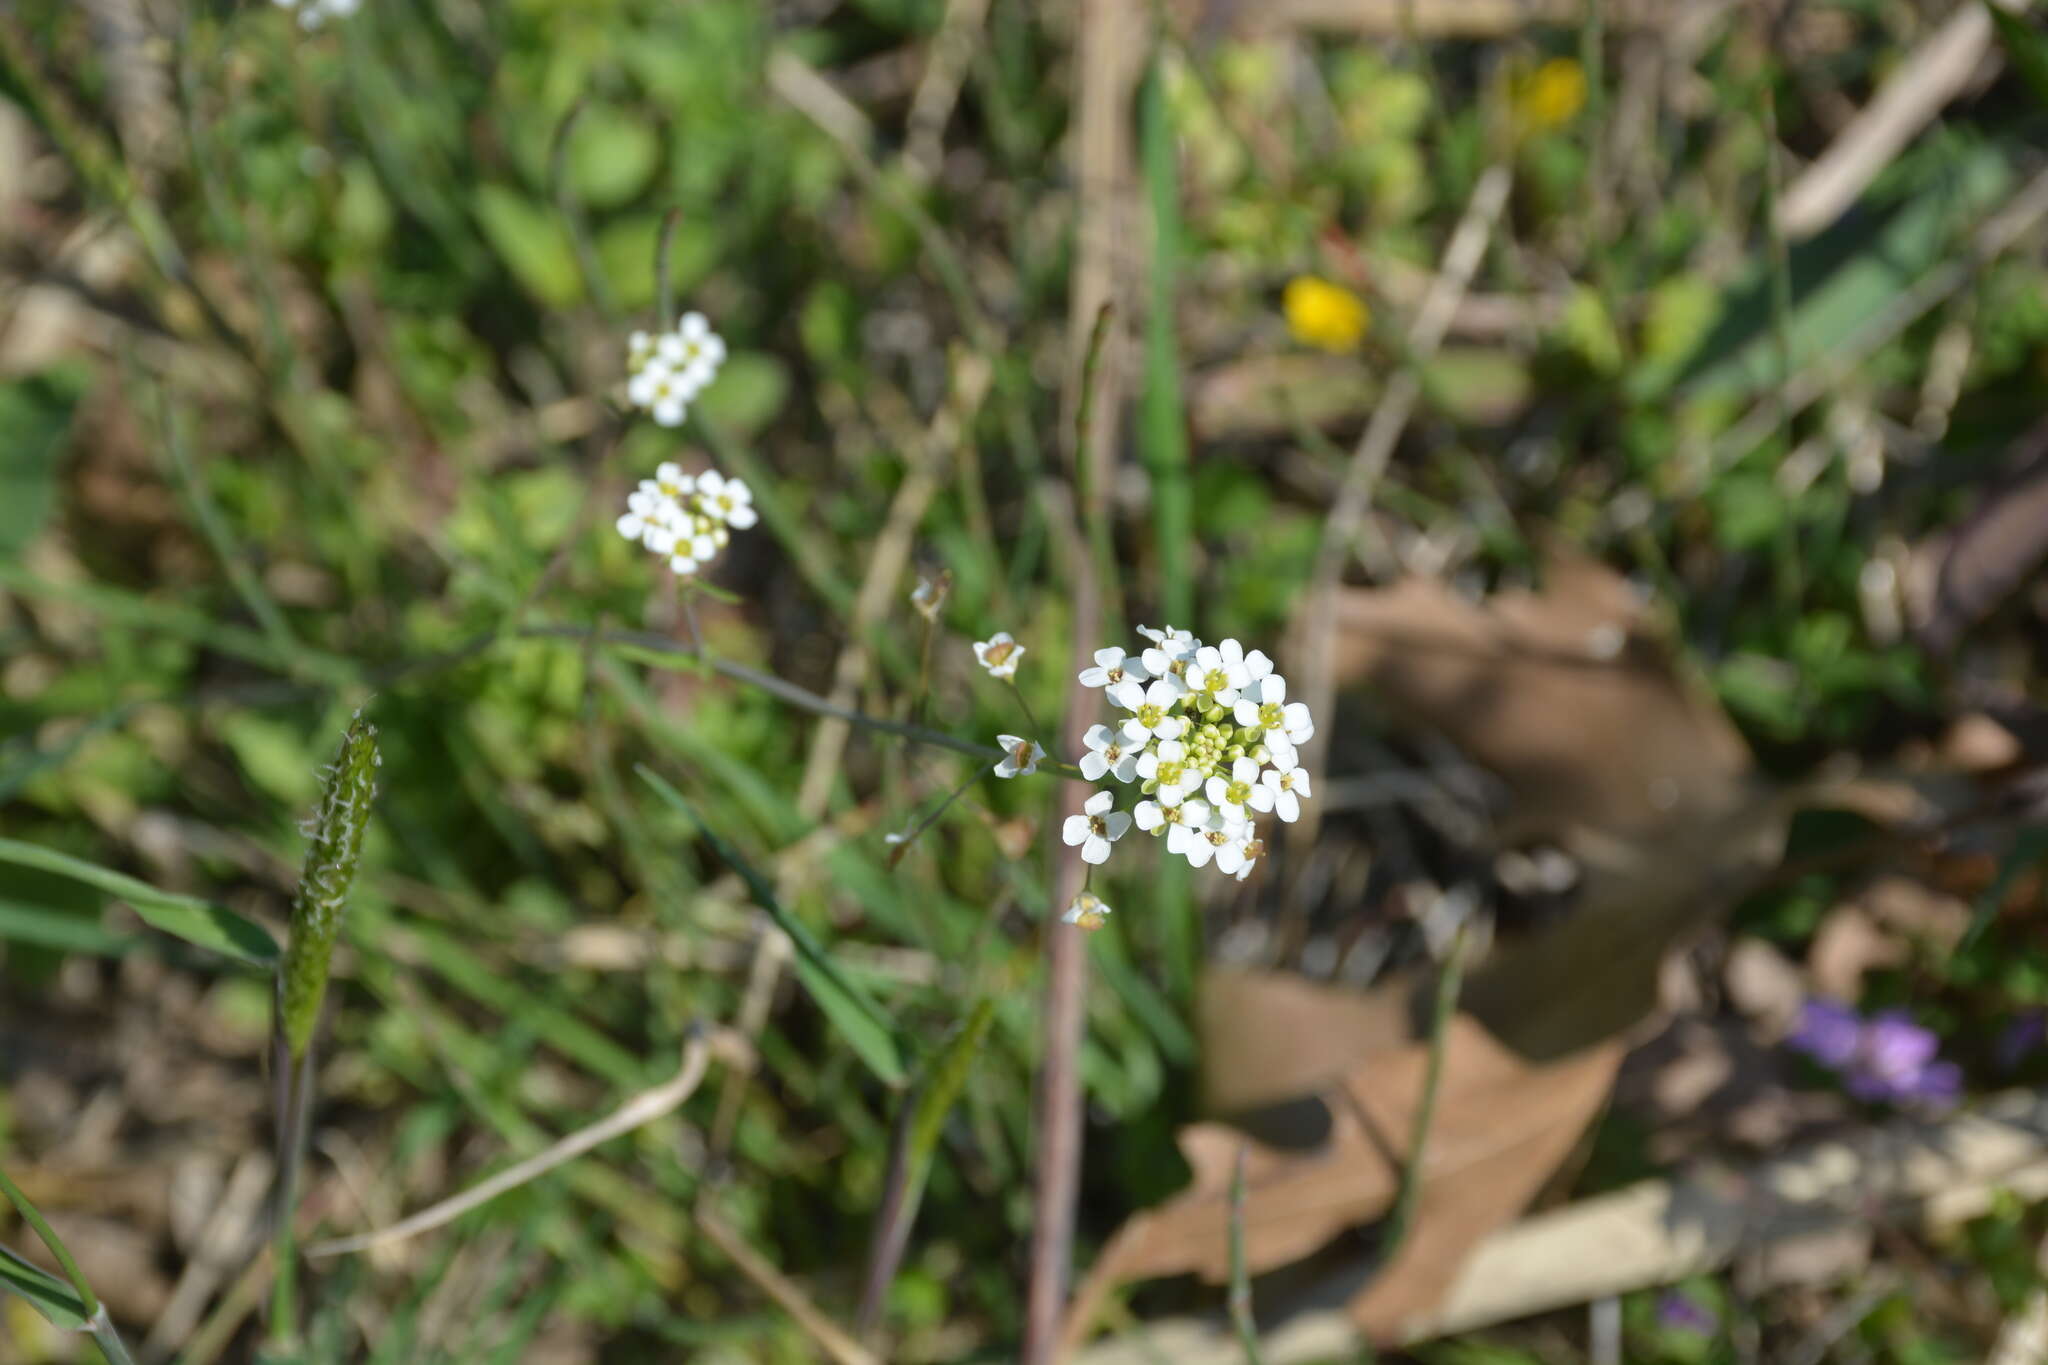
(1449, 978)
(1240, 1278)
(294, 1104)
(42, 1229)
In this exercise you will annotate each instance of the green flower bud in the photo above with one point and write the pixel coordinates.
(337, 845)
(1214, 714)
(1150, 786)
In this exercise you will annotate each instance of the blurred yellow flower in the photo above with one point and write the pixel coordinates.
(1551, 95)
(1323, 314)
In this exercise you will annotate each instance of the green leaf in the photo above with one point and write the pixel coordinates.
(611, 155)
(945, 1076)
(749, 390)
(851, 1010)
(46, 927)
(2025, 47)
(45, 1293)
(532, 243)
(35, 414)
(186, 917)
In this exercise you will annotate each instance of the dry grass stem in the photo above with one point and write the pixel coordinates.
(642, 1109)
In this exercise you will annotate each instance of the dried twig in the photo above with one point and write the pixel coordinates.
(829, 1335)
(1932, 74)
(1315, 639)
(1924, 1173)
(642, 1109)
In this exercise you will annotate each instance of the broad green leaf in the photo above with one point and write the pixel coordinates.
(532, 243)
(187, 917)
(35, 420)
(45, 1293)
(850, 1009)
(611, 155)
(749, 391)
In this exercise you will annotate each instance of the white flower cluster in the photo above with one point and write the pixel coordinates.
(1211, 738)
(670, 369)
(687, 518)
(313, 13)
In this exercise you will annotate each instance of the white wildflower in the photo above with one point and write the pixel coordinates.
(1264, 707)
(1107, 753)
(1020, 756)
(1240, 792)
(730, 500)
(669, 369)
(1096, 828)
(1151, 708)
(1288, 785)
(1112, 668)
(1167, 773)
(1215, 676)
(684, 518)
(999, 654)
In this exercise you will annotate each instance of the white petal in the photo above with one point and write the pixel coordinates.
(1151, 815)
(1098, 803)
(1116, 824)
(1094, 765)
(1096, 850)
(742, 517)
(1094, 677)
(1074, 830)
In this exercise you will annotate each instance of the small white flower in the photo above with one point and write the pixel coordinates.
(1208, 840)
(1096, 828)
(1087, 911)
(1113, 667)
(1020, 756)
(1241, 792)
(1150, 707)
(1237, 856)
(730, 500)
(1181, 823)
(1166, 764)
(999, 654)
(1171, 649)
(1287, 785)
(1215, 678)
(645, 512)
(672, 481)
(1107, 753)
(1264, 706)
(648, 383)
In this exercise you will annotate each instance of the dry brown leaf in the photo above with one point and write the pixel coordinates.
(1477, 1172)
(1607, 753)
(1559, 693)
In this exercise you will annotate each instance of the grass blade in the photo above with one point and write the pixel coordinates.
(1163, 433)
(45, 1293)
(187, 917)
(2025, 48)
(866, 1029)
(938, 1088)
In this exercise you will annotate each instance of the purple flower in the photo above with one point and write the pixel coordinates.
(1886, 1059)
(1827, 1032)
(1895, 1060)
(1681, 1313)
